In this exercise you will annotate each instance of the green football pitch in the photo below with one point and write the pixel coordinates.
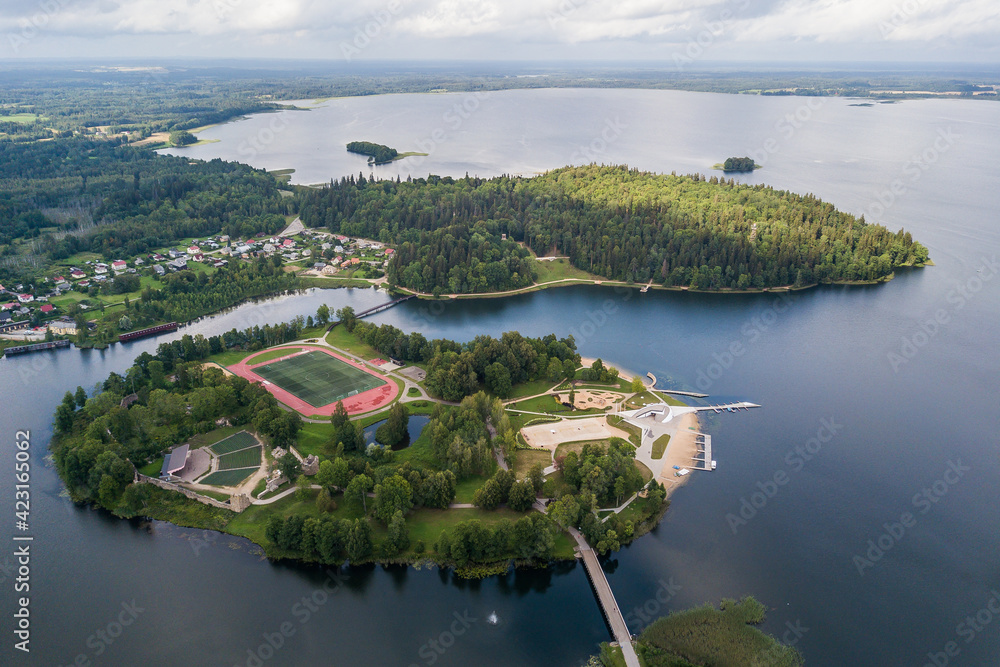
(317, 378)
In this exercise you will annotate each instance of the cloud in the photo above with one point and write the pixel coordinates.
(502, 28)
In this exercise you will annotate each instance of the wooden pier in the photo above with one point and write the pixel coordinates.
(606, 599)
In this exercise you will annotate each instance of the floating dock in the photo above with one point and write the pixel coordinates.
(150, 331)
(36, 347)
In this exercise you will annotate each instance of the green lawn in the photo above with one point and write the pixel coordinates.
(233, 443)
(227, 477)
(312, 438)
(547, 404)
(244, 458)
(341, 338)
(212, 437)
(272, 354)
(530, 388)
(229, 357)
(660, 446)
(560, 269)
(466, 488)
(524, 459)
(152, 469)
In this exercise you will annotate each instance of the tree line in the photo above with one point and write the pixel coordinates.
(614, 222)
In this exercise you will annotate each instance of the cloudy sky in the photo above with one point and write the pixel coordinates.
(654, 30)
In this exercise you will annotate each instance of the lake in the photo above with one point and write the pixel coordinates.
(877, 401)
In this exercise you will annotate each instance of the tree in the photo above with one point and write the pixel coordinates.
(399, 535)
(65, 413)
(498, 379)
(289, 466)
(347, 317)
(344, 430)
(537, 477)
(323, 314)
(325, 501)
(569, 369)
(637, 385)
(522, 496)
(358, 489)
(391, 495)
(359, 541)
(80, 397)
(182, 138)
(394, 430)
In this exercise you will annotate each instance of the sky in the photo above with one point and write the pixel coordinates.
(674, 32)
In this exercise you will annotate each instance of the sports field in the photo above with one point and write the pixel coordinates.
(244, 458)
(227, 477)
(233, 443)
(318, 378)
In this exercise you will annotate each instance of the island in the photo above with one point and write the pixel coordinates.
(378, 153)
(737, 165)
(468, 455)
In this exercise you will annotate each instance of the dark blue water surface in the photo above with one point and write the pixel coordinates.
(870, 396)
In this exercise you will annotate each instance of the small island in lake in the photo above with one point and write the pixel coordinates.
(377, 153)
(738, 165)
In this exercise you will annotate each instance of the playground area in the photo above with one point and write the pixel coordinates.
(586, 399)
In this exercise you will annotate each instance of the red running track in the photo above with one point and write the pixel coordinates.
(364, 402)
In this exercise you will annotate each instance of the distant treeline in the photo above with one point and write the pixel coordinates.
(377, 153)
(615, 222)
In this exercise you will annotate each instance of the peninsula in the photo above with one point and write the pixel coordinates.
(377, 153)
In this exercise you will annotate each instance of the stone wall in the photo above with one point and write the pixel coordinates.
(236, 504)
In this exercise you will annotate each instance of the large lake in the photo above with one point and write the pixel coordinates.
(873, 431)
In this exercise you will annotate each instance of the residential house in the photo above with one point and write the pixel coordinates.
(101, 269)
(47, 308)
(25, 298)
(158, 268)
(63, 327)
(118, 266)
(193, 250)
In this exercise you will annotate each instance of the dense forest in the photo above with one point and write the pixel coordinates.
(377, 153)
(77, 194)
(618, 223)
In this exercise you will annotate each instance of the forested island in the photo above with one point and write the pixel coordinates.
(474, 235)
(377, 153)
(738, 165)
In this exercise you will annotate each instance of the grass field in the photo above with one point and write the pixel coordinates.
(317, 378)
(271, 355)
(244, 458)
(660, 446)
(227, 477)
(233, 443)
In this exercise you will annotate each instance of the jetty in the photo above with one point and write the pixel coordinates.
(36, 347)
(675, 392)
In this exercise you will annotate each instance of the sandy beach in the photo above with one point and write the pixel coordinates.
(680, 452)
